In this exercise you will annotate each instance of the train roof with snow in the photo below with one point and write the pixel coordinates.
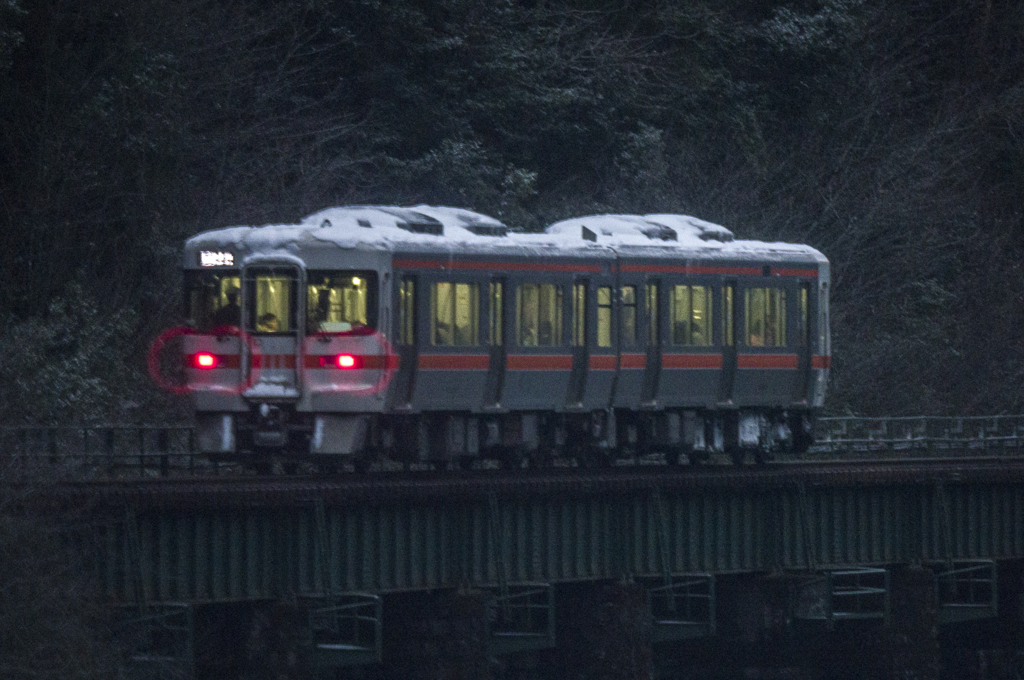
(457, 232)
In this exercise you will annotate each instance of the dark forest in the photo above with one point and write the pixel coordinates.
(890, 136)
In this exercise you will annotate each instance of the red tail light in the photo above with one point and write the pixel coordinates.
(204, 360)
(345, 361)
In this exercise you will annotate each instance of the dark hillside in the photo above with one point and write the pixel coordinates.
(888, 135)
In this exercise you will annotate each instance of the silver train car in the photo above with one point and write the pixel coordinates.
(433, 334)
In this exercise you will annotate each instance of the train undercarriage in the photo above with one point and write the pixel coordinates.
(272, 433)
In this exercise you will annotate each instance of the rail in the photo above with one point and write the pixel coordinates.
(133, 451)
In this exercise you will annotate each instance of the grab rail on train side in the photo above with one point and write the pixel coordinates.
(919, 435)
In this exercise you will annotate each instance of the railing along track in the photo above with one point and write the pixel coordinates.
(169, 451)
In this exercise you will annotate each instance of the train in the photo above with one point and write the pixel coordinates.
(440, 336)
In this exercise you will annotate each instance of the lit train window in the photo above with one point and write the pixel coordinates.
(341, 302)
(628, 316)
(691, 315)
(766, 317)
(604, 316)
(213, 299)
(271, 306)
(579, 314)
(539, 315)
(455, 313)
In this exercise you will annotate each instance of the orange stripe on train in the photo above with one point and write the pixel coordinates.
(691, 361)
(789, 361)
(454, 362)
(538, 362)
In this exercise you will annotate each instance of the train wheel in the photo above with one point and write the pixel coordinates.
(511, 458)
(264, 465)
(591, 457)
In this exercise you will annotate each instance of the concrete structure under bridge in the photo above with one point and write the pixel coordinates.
(343, 568)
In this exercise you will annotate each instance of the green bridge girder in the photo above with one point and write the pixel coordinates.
(281, 541)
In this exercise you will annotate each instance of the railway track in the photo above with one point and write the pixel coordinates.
(388, 488)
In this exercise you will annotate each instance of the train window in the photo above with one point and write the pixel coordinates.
(497, 297)
(691, 315)
(728, 335)
(213, 300)
(341, 302)
(454, 313)
(629, 316)
(539, 315)
(651, 306)
(579, 314)
(407, 312)
(271, 300)
(766, 317)
(604, 316)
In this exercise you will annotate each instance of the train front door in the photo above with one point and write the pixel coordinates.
(271, 311)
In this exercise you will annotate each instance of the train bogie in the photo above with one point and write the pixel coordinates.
(436, 335)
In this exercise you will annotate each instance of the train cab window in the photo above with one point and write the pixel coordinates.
(539, 315)
(455, 313)
(579, 315)
(496, 311)
(604, 316)
(213, 299)
(407, 312)
(690, 309)
(765, 310)
(341, 302)
(271, 308)
(629, 316)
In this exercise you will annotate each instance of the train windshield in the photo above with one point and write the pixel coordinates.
(213, 299)
(341, 302)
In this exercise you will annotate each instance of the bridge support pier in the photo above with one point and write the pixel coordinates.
(914, 624)
(603, 632)
(907, 647)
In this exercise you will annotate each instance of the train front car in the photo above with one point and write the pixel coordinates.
(289, 357)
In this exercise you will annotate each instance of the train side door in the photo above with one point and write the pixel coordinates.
(652, 372)
(404, 382)
(803, 338)
(728, 342)
(497, 315)
(578, 341)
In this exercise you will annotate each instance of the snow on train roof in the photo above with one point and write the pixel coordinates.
(424, 227)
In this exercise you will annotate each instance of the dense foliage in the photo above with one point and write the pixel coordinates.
(888, 135)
